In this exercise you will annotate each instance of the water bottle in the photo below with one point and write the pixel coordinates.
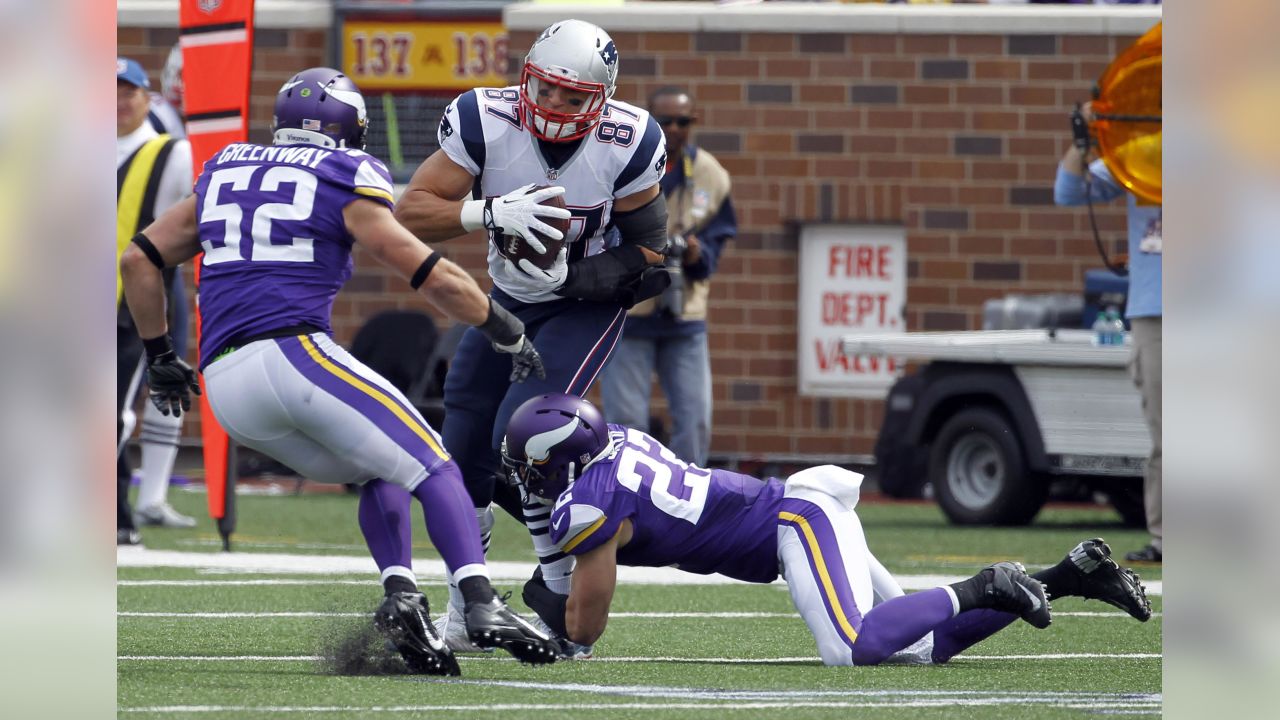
(1101, 330)
(1108, 328)
(1117, 326)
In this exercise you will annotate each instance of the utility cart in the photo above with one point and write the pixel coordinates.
(991, 417)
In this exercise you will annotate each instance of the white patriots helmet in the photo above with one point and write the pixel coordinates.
(574, 55)
(171, 85)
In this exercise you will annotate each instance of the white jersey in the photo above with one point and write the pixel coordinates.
(483, 131)
(165, 118)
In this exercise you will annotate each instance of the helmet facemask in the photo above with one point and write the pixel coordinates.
(554, 125)
(541, 485)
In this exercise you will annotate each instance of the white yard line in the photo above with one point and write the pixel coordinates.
(686, 693)
(612, 616)
(239, 615)
(635, 659)
(560, 708)
(500, 571)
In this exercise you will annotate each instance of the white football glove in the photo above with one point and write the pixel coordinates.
(551, 278)
(516, 213)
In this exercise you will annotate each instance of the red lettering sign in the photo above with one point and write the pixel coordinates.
(859, 261)
(832, 358)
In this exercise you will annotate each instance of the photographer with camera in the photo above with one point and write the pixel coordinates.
(1080, 182)
(668, 334)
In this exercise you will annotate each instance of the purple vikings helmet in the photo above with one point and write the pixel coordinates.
(550, 440)
(320, 106)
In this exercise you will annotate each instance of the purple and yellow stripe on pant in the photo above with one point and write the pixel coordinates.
(394, 417)
(826, 564)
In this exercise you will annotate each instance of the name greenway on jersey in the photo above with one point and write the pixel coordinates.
(294, 154)
(484, 132)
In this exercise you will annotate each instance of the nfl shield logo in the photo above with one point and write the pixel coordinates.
(208, 7)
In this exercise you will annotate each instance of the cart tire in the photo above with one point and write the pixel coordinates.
(1126, 497)
(979, 473)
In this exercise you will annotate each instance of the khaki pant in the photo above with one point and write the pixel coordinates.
(1145, 366)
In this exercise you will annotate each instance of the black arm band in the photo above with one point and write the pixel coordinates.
(645, 226)
(420, 275)
(157, 346)
(550, 606)
(144, 242)
(501, 327)
(604, 276)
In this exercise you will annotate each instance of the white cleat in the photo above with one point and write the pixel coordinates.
(453, 628)
(569, 650)
(162, 515)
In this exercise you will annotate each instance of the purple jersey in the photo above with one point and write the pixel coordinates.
(276, 246)
(702, 521)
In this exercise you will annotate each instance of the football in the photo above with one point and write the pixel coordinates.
(515, 249)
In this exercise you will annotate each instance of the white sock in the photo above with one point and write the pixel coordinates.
(955, 600)
(557, 567)
(486, 519)
(159, 438)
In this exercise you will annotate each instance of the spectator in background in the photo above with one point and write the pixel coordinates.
(153, 172)
(167, 113)
(160, 433)
(1144, 309)
(669, 333)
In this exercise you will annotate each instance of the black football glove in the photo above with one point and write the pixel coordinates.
(524, 360)
(650, 283)
(549, 606)
(170, 382)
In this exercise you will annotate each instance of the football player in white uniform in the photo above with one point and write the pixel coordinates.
(562, 128)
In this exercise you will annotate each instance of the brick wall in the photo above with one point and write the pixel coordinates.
(956, 137)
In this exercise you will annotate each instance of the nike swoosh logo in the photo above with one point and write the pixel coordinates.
(559, 521)
(1035, 601)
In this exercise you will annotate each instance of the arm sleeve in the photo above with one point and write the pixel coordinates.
(722, 226)
(1069, 188)
(461, 134)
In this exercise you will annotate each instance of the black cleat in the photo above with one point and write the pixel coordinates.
(404, 619)
(1101, 578)
(1148, 554)
(128, 537)
(493, 624)
(1010, 589)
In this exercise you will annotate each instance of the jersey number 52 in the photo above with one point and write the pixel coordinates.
(231, 213)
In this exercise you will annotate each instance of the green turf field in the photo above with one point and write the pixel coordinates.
(203, 643)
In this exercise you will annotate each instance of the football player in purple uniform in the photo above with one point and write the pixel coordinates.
(620, 497)
(277, 224)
